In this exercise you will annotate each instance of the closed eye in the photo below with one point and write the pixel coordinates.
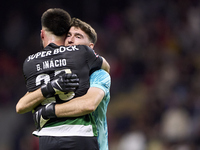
(79, 36)
(68, 35)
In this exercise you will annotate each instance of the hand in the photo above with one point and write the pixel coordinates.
(64, 83)
(42, 114)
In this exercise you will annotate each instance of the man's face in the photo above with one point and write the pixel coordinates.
(76, 36)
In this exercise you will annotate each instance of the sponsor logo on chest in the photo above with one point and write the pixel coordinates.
(59, 50)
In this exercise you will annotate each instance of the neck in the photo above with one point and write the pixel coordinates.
(56, 40)
(51, 38)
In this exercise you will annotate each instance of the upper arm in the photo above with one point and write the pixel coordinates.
(105, 65)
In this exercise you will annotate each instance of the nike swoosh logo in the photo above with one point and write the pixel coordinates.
(58, 84)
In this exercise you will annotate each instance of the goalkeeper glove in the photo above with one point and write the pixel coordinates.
(64, 83)
(42, 114)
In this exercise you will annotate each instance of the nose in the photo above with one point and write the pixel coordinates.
(71, 40)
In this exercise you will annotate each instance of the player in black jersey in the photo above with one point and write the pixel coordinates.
(52, 61)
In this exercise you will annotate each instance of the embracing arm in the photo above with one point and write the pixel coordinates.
(29, 101)
(64, 83)
(77, 107)
(81, 105)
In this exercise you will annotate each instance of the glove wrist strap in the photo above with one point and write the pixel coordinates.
(47, 90)
(49, 111)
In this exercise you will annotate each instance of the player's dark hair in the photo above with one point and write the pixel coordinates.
(86, 28)
(56, 20)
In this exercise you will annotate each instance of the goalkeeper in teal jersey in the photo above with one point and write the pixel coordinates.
(101, 79)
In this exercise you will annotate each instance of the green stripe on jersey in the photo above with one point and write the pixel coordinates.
(79, 126)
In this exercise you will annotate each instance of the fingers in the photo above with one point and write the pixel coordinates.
(71, 89)
(66, 75)
(69, 84)
(73, 80)
(74, 76)
(70, 76)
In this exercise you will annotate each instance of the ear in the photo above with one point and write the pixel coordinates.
(42, 34)
(91, 45)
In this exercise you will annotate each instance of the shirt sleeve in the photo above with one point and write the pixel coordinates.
(101, 79)
(94, 61)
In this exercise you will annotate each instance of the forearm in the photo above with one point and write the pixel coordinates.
(64, 83)
(29, 101)
(81, 105)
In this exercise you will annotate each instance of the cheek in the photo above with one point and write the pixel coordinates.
(66, 42)
(79, 42)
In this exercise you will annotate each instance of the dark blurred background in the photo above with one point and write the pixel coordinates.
(153, 47)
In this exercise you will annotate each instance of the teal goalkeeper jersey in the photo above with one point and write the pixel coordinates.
(101, 79)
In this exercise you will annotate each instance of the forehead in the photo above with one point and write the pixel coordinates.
(75, 30)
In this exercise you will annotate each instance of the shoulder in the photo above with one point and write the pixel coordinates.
(100, 72)
(100, 77)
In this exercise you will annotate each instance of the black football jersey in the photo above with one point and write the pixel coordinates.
(43, 66)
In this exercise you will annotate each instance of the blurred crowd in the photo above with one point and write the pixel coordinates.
(153, 47)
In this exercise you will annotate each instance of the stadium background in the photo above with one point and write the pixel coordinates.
(153, 47)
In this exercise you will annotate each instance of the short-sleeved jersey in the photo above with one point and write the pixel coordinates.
(43, 66)
(101, 79)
